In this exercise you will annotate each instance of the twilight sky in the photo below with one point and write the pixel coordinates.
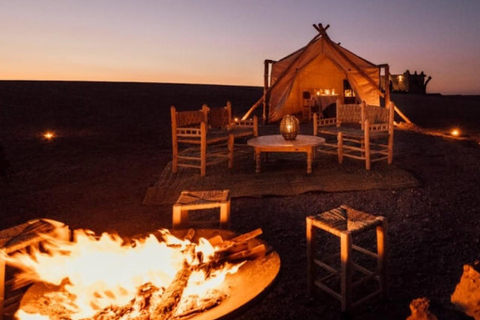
(226, 41)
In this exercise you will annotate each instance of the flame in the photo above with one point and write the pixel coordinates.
(49, 135)
(455, 132)
(98, 272)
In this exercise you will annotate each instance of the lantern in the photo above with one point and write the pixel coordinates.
(455, 132)
(49, 135)
(289, 127)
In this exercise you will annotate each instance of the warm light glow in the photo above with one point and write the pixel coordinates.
(98, 272)
(49, 135)
(236, 119)
(455, 132)
(289, 127)
(400, 78)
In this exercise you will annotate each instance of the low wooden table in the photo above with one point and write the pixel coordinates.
(276, 143)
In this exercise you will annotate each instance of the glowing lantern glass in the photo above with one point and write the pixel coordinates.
(289, 127)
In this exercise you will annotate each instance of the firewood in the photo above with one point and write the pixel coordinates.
(231, 243)
(190, 234)
(171, 297)
(247, 254)
(203, 303)
(214, 241)
(152, 303)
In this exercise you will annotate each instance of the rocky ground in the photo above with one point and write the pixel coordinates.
(113, 140)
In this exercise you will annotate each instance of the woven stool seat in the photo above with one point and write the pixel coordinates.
(346, 219)
(345, 222)
(199, 200)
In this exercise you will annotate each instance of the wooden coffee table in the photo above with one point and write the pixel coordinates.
(276, 143)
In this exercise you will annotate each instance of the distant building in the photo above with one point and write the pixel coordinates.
(409, 83)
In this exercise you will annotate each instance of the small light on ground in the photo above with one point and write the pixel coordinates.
(455, 132)
(49, 135)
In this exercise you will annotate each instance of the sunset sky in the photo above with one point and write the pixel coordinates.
(226, 41)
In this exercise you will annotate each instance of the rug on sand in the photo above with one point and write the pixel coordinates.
(283, 175)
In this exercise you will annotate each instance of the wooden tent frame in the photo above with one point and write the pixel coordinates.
(321, 33)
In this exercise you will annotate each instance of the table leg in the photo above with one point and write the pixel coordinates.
(258, 160)
(309, 160)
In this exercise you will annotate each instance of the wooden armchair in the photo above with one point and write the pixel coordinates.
(359, 131)
(190, 128)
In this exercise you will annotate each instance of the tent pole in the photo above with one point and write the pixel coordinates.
(388, 93)
(400, 113)
(387, 84)
(266, 93)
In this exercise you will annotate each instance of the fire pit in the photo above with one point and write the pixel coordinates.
(258, 269)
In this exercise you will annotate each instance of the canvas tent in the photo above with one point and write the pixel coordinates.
(320, 64)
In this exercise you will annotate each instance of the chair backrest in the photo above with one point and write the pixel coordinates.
(375, 114)
(358, 113)
(349, 113)
(218, 117)
(187, 118)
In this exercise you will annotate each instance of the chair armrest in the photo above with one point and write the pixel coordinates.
(327, 122)
(189, 131)
(247, 123)
(379, 127)
(243, 123)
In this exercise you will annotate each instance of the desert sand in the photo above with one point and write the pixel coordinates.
(113, 141)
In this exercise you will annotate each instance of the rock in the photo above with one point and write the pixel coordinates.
(467, 293)
(419, 308)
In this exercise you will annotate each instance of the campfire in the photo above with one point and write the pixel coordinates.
(162, 276)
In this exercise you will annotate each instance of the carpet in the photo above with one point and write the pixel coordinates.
(282, 175)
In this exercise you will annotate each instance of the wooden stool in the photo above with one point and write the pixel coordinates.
(344, 222)
(198, 200)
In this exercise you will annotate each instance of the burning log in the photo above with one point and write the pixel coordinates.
(232, 244)
(172, 295)
(248, 254)
(175, 299)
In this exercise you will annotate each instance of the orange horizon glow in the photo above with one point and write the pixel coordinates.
(227, 42)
